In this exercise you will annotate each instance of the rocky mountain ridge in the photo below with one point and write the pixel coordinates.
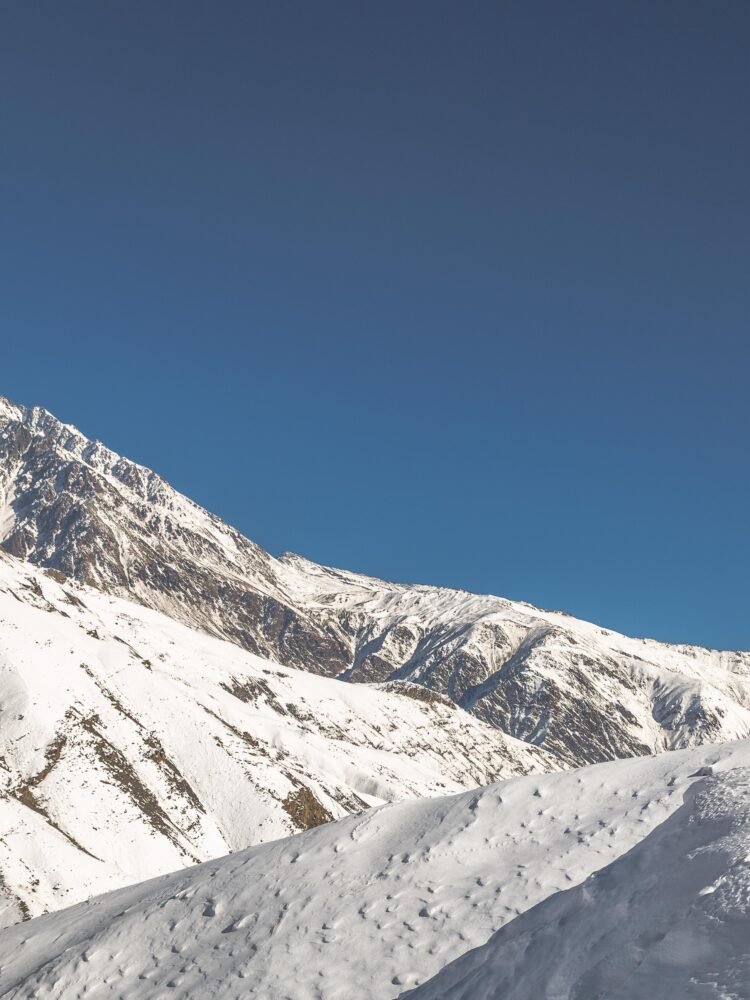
(582, 692)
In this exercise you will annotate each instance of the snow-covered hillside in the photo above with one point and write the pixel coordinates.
(582, 692)
(131, 745)
(373, 905)
(668, 919)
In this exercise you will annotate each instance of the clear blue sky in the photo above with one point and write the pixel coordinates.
(445, 292)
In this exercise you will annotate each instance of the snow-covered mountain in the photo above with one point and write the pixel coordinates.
(622, 880)
(131, 745)
(161, 704)
(582, 692)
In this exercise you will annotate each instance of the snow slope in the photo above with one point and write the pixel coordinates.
(670, 918)
(131, 745)
(582, 692)
(373, 905)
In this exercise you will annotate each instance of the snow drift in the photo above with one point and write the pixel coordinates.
(374, 905)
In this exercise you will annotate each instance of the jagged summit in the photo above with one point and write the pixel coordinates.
(70, 441)
(10, 410)
(582, 692)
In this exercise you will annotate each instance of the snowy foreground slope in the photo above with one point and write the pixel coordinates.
(131, 745)
(615, 880)
(668, 919)
(582, 692)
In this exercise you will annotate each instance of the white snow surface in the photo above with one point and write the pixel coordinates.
(627, 879)
(131, 745)
(669, 918)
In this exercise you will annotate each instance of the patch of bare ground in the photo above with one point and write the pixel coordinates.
(25, 792)
(175, 778)
(125, 777)
(419, 693)
(303, 808)
(246, 738)
(251, 689)
(17, 901)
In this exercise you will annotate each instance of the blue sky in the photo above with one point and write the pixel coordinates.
(443, 292)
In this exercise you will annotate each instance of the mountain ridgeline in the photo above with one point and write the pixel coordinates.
(580, 692)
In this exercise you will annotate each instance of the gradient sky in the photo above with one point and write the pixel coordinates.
(454, 293)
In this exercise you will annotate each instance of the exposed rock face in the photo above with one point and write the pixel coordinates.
(583, 692)
(75, 506)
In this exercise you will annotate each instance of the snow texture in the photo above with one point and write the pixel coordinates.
(670, 918)
(627, 879)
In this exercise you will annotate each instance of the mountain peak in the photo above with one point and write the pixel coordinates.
(10, 410)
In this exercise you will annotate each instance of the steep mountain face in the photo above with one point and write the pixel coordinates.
(73, 505)
(580, 691)
(131, 745)
(627, 879)
(584, 693)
